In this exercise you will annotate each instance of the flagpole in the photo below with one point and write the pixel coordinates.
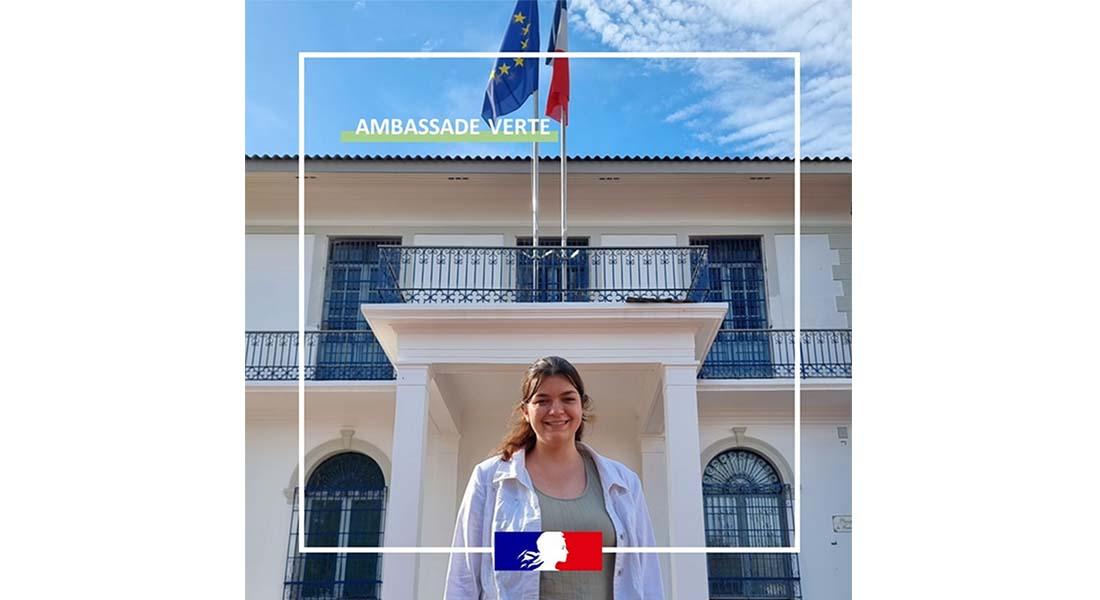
(535, 201)
(564, 228)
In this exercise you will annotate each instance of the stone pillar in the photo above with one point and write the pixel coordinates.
(403, 507)
(685, 481)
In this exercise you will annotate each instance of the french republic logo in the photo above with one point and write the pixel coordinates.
(548, 550)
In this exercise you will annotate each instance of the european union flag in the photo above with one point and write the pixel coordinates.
(512, 80)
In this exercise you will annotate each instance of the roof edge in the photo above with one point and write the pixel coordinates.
(548, 164)
(580, 158)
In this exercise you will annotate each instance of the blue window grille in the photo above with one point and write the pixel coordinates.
(344, 507)
(736, 277)
(746, 504)
(355, 276)
(550, 266)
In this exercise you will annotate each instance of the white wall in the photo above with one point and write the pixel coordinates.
(271, 280)
(270, 450)
(655, 484)
(439, 510)
(640, 276)
(480, 434)
(460, 240)
(616, 437)
(637, 241)
(819, 289)
(457, 272)
(826, 558)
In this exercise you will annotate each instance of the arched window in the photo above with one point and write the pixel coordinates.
(344, 502)
(746, 504)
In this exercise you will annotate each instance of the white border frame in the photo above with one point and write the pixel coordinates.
(796, 56)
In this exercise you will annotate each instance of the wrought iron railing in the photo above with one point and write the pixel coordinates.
(750, 516)
(735, 354)
(330, 356)
(336, 518)
(769, 354)
(435, 274)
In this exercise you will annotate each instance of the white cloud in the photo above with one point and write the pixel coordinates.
(747, 109)
(462, 99)
(686, 113)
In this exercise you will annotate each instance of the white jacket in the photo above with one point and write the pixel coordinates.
(501, 497)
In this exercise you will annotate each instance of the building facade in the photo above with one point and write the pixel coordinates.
(427, 296)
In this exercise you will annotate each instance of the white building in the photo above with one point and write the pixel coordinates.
(424, 305)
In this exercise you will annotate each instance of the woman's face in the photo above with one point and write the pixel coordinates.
(554, 411)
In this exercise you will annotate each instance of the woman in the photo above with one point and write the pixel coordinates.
(542, 478)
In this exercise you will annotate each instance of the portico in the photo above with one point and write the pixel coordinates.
(458, 372)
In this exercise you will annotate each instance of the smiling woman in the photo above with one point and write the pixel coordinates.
(542, 478)
(553, 409)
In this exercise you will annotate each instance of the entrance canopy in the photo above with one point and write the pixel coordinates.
(589, 333)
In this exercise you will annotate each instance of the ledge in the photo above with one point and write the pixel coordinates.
(513, 333)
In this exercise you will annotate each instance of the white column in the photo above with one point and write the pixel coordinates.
(655, 485)
(403, 507)
(685, 481)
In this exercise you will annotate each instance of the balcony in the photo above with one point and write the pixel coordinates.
(544, 274)
(769, 354)
(330, 356)
(433, 274)
(735, 354)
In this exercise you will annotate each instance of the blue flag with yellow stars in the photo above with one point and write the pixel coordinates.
(512, 80)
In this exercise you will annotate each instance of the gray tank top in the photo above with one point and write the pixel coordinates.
(585, 513)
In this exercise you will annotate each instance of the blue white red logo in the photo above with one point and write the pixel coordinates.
(548, 550)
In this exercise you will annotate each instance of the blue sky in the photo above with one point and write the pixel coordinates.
(618, 106)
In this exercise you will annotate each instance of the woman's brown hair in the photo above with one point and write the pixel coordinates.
(521, 434)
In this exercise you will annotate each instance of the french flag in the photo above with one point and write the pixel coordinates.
(548, 550)
(557, 101)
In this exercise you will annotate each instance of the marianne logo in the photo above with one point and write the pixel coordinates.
(548, 550)
(450, 130)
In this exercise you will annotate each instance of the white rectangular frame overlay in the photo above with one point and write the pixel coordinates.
(795, 56)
